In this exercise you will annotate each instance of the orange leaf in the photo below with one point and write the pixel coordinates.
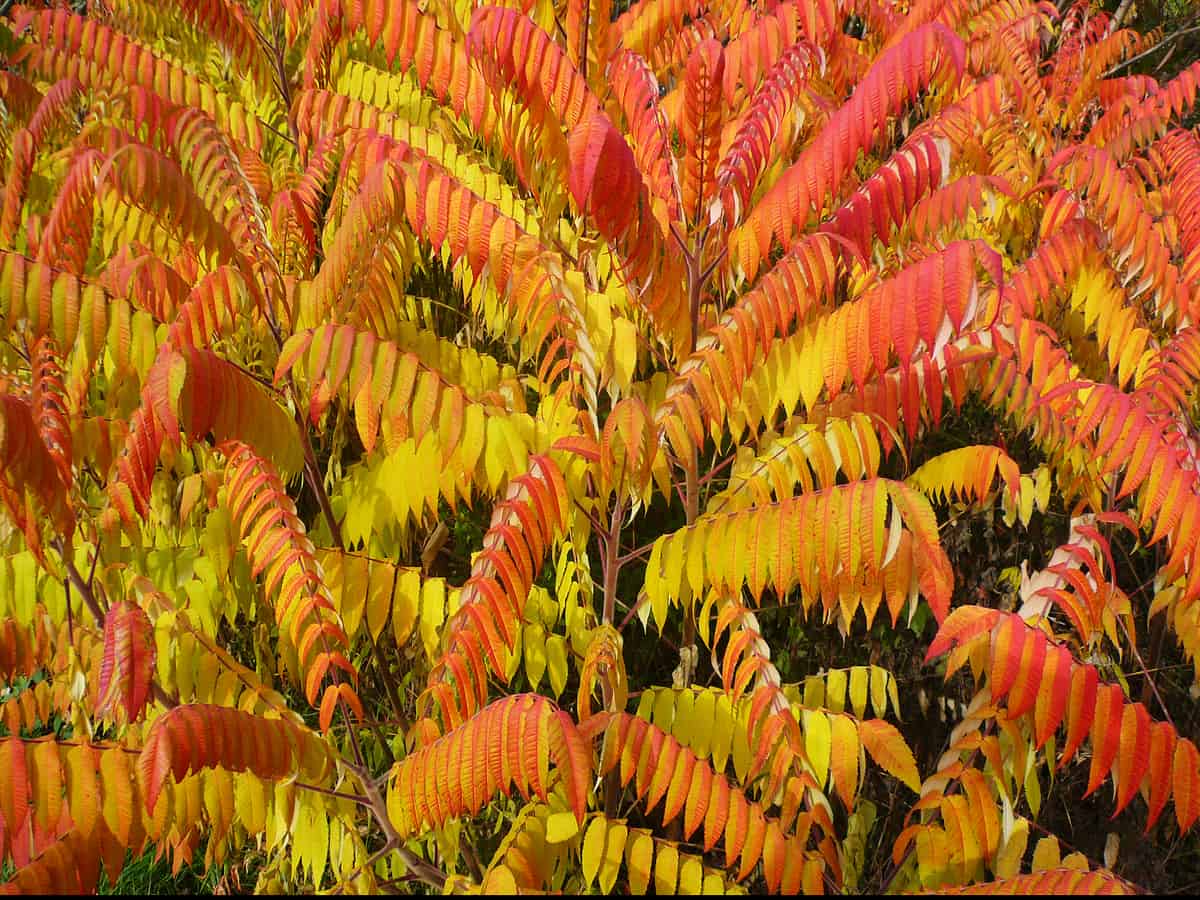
(1106, 733)
(887, 747)
(1186, 780)
(1134, 758)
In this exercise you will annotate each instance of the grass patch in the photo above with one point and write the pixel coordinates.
(147, 875)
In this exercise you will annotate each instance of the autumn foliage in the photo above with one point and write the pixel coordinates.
(563, 446)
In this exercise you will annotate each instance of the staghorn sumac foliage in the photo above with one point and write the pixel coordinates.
(587, 446)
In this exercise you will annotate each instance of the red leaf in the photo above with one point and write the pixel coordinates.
(603, 175)
(127, 666)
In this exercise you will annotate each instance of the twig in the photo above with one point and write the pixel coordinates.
(717, 468)
(423, 870)
(1172, 37)
(370, 861)
(70, 622)
(642, 597)
(612, 563)
(591, 516)
(1119, 16)
(468, 852)
(636, 553)
(84, 588)
(355, 798)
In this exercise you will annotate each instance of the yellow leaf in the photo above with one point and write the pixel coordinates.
(858, 690)
(624, 346)
(663, 710)
(743, 756)
(656, 586)
(433, 614)
(46, 782)
(406, 603)
(614, 850)
(835, 690)
(639, 854)
(879, 691)
(1033, 790)
(933, 856)
(83, 793)
(691, 876)
(683, 726)
(471, 442)
(818, 744)
(593, 849)
(704, 711)
(500, 881)
(1046, 855)
(722, 735)
(666, 870)
(1044, 483)
(1025, 502)
(250, 802)
(379, 598)
(218, 799)
(514, 657)
(312, 840)
(1076, 861)
(895, 697)
(1008, 860)
(714, 884)
(814, 691)
(673, 562)
(556, 662)
(535, 654)
(705, 617)
(561, 826)
(354, 592)
(118, 794)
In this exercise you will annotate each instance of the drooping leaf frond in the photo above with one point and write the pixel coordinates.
(1039, 678)
(689, 787)
(479, 635)
(1055, 882)
(846, 544)
(278, 549)
(65, 45)
(29, 466)
(636, 91)
(497, 379)
(701, 126)
(754, 145)
(193, 391)
(507, 743)
(806, 185)
(199, 736)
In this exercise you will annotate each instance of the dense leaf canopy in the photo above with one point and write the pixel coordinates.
(694, 445)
